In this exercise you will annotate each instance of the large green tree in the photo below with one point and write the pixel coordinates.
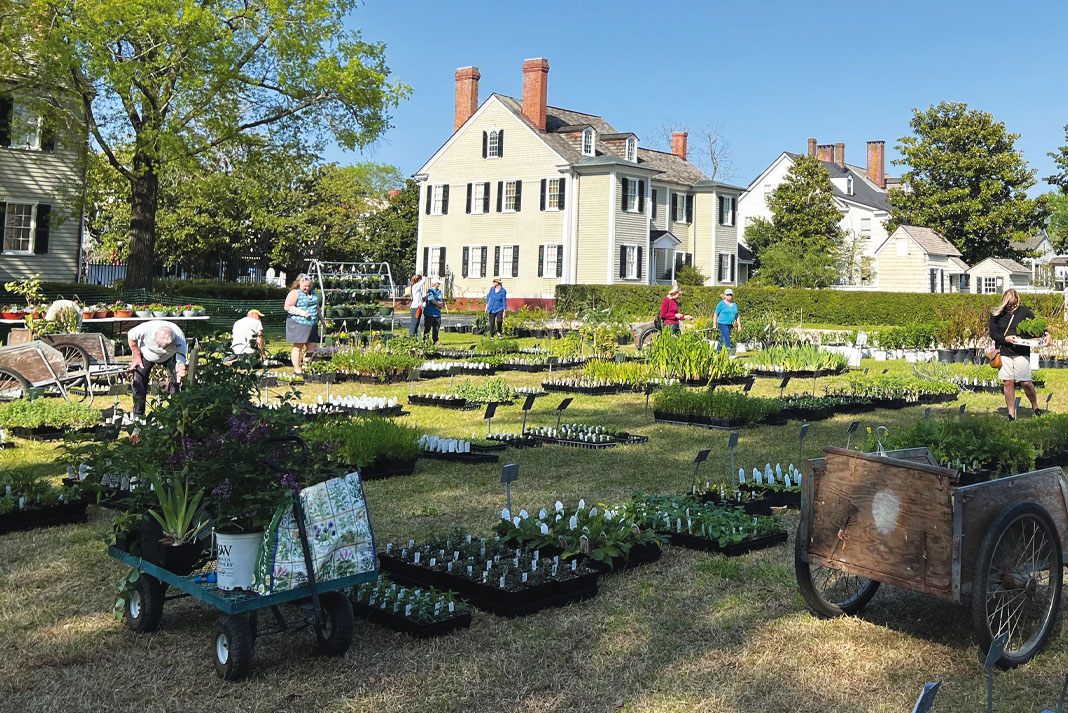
(801, 245)
(175, 79)
(1058, 221)
(1060, 159)
(390, 233)
(967, 181)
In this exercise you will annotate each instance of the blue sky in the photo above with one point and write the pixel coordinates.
(770, 74)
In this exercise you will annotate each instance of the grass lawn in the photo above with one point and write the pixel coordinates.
(692, 632)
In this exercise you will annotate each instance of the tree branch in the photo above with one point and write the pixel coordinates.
(93, 127)
(259, 122)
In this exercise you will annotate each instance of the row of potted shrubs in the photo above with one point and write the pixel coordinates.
(120, 310)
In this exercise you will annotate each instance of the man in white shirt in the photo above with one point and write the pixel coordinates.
(248, 334)
(156, 342)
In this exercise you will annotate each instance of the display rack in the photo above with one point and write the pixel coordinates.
(351, 291)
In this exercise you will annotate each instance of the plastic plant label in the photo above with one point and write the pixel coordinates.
(416, 558)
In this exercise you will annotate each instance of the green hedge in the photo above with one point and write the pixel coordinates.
(837, 307)
(206, 289)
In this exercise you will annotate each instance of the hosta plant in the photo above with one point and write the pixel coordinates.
(683, 514)
(423, 605)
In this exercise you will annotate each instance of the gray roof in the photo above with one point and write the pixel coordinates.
(959, 263)
(864, 193)
(1032, 243)
(930, 241)
(719, 184)
(560, 121)
(744, 254)
(1010, 265)
(655, 235)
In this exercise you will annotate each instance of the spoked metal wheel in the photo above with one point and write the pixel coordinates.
(13, 385)
(74, 354)
(1017, 583)
(647, 338)
(830, 592)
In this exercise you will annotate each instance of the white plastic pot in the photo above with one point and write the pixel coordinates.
(236, 559)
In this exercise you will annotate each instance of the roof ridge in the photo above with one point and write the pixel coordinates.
(550, 106)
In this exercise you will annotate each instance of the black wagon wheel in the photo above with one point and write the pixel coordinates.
(1016, 588)
(232, 647)
(830, 592)
(74, 354)
(13, 385)
(339, 626)
(144, 605)
(647, 337)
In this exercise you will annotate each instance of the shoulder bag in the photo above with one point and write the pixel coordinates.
(994, 353)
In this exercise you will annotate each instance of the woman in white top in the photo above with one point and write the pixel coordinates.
(418, 287)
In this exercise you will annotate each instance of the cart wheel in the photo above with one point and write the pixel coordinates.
(647, 337)
(232, 646)
(13, 385)
(1016, 587)
(74, 354)
(831, 592)
(144, 607)
(339, 626)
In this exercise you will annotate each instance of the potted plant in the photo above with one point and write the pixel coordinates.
(159, 310)
(9, 312)
(180, 522)
(121, 310)
(143, 311)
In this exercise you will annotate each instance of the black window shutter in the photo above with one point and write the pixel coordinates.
(719, 268)
(429, 198)
(482, 268)
(485, 144)
(541, 256)
(639, 262)
(441, 264)
(3, 222)
(497, 261)
(6, 106)
(500, 196)
(48, 136)
(485, 197)
(560, 200)
(467, 254)
(518, 195)
(674, 209)
(560, 257)
(626, 186)
(515, 261)
(654, 204)
(689, 258)
(445, 199)
(543, 182)
(641, 196)
(426, 262)
(931, 280)
(734, 265)
(469, 189)
(689, 209)
(500, 142)
(40, 238)
(622, 261)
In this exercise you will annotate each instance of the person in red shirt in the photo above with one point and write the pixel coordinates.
(669, 311)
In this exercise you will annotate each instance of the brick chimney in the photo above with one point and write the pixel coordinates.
(839, 154)
(812, 147)
(825, 152)
(877, 163)
(536, 91)
(466, 94)
(678, 144)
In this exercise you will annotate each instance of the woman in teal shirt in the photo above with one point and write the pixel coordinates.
(727, 317)
(302, 324)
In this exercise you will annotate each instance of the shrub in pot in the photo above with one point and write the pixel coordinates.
(180, 521)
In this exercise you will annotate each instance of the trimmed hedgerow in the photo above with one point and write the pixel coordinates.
(822, 306)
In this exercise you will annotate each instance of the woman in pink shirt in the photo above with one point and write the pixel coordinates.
(669, 311)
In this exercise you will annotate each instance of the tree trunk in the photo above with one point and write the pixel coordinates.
(144, 201)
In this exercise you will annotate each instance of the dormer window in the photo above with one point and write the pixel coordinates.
(632, 150)
(588, 141)
(849, 185)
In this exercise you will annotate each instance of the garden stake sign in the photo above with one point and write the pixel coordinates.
(731, 443)
(926, 699)
(879, 431)
(927, 414)
(960, 411)
(560, 410)
(815, 375)
(1016, 404)
(997, 648)
(782, 385)
(1048, 398)
(527, 405)
(453, 371)
(749, 384)
(701, 457)
(552, 361)
(850, 431)
(491, 408)
(801, 443)
(620, 358)
(509, 474)
(412, 376)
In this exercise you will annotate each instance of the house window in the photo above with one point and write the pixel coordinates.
(865, 227)
(767, 192)
(989, 285)
(630, 255)
(680, 208)
(493, 144)
(479, 200)
(475, 266)
(434, 267)
(632, 150)
(552, 194)
(723, 267)
(508, 255)
(18, 228)
(440, 201)
(630, 195)
(25, 128)
(588, 142)
(902, 247)
(849, 185)
(509, 196)
(551, 258)
(726, 210)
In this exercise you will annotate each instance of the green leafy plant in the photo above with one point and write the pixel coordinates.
(362, 441)
(52, 413)
(1032, 328)
(676, 514)
(181, 520)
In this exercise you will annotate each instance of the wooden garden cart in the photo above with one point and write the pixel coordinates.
(36, 364)
(900, 519)
(83, 351)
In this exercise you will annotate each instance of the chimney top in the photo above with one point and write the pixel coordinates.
(466, 95)
(678, 144)
(536, 91)
(839, 154)
(812, 147)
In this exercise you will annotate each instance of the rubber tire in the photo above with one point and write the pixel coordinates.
(339, 624)
(149, 594)
(982, 564)
(73, 353)
(647, 337)
(234, 629)
(23, 384)
(820, 606)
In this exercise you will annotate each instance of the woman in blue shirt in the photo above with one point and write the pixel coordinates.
(727, 317)
(302, 324)
(496, 304)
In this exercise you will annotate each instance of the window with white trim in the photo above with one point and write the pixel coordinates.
(849, 185)
(18, 228)
(767, 192)
(478, 197)
(507, 253)
(25, 128)
(680, 207)
(474, 261)
(552, 194)
(631, 255)
(552, 256)
(989, 285)
(632, 150)
(865, 227)
(630, 195)
(726, 210)
(509, 196)
(493, 144)
(588, 142)
(724, 265)
(434, 268)
(437, 205)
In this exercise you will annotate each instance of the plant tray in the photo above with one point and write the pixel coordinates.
(520, 443)
(642, 554)
(45, 433)
(387, 469)
(472, 458)
(376, 380)
(407, 625)
(582, 444)
(320, 378)
(527, 368)
(798, 374)
(807, 414)
(59, 514)
(588, 391)
(760, 506)
(456, 404)
(733, 549)
(632, 438)
(777, 498)
(491, 448)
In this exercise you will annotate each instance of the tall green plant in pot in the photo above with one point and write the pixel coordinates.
(181, 523)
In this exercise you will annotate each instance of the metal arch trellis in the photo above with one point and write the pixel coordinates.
(319, 269)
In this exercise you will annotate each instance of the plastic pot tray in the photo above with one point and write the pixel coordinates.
(60, 514)
(407, 625)
(734, 549)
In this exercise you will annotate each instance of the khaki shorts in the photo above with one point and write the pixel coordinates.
(1015, 368)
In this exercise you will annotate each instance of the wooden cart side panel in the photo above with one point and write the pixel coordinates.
(885, 519)
(981, 503)
(99, 348)
(33, 360)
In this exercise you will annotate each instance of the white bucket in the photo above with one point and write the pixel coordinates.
(236, 559)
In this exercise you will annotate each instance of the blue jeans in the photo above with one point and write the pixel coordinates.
(725, 336)
(413, 326)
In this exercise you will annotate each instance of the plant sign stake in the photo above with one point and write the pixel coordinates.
(815, 375)
(509, 474)
(702, 456)
(927, 413)
(732, 442)
(782, 385)
(560, 410)
(453, 371)
(553, 361)
(997, 648)
(879, 431)
(749, 384)
(849, 433)
(1016, 404)
(886, 370)
(328, 379)
(960, 411)
(491, 408)
(1049, 396)
(648, 390)
(620, 357)
(412, 376)
(801, 444)
(527, 405)
(926, 699)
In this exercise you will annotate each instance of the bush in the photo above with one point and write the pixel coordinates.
(206, 289)
(793, 305)
(52, 413)
(690, 276)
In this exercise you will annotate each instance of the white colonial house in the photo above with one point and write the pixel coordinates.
(543, 196)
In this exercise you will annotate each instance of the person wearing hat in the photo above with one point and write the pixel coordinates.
(727, 317)
(302, 324)
(248, 335)
(669, 310)
(435, 300)
(496, 306)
